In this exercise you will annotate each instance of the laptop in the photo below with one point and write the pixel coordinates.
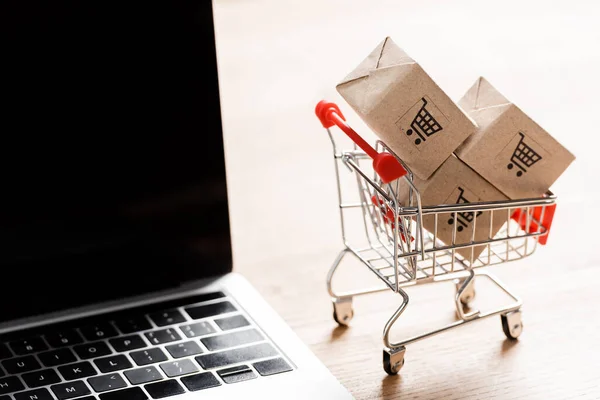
(116, 277)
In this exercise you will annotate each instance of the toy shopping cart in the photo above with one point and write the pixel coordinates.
(424, 125)
(523, 157)
(394, 245)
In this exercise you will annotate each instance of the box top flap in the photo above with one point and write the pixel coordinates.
(365, 95)
(482, 95)
(386, 54)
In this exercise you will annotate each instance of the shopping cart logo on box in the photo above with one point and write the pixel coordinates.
(422, 121)
(463, 218)
(523, 157)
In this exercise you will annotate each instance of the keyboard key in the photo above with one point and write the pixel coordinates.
(103, 383)
(99, 331)
(210, 310)
(184, 349)
(37, 394)
(165, 318)
(92, 350)
(10, 384)
(57, 357)
(143, 375)
(21, 364)
(244, 354)
(272, 367)
(177, 368)
(149, 356)
(41, 378)
(133, 324)
(237, 321)
(207, 296)
(64, 338)
(134, 393)
(70, 389)
(127, 343)
(162, 336)
(28, 346)
(237, 374)
(163, 389)
(201, 381)
(4, 352)
(198, 329)
(112, 363)
(77, 371)
(232, 339)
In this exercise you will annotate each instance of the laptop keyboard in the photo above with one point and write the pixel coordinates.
(153, 352)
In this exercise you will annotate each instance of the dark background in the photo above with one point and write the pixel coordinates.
(111, 158)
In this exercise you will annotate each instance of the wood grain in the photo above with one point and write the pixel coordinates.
(278, 58)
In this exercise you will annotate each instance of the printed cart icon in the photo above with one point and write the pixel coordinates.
(523, 157)
(424, 125)
(463, 218)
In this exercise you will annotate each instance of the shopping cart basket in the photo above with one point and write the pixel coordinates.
(523, 156)
(395, 246)
(424, 125)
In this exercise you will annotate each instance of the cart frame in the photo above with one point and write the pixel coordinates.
(400, 261)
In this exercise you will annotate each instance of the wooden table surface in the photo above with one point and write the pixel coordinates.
(278, 58)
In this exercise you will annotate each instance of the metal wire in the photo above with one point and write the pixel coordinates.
(401, 252)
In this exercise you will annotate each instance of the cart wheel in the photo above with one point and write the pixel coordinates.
(519, 173)
(509, 166)
(418, 141)
(409, 132)
(460, 229)
(468, 295)
(512, 324)
(393, 360)
(342, 311)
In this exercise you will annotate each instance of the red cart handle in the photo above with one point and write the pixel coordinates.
(385, 164)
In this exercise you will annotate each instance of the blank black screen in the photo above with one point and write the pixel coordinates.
(112, 172)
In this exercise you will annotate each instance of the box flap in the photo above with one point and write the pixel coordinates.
(366, 93)
(386, 54)
(482, 95)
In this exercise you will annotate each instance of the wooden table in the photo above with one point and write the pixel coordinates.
(278, 58)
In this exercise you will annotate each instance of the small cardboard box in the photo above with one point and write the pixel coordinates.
(453, 183)
(509, 149)
(404, 107)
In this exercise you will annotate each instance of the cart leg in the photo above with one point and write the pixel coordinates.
(393, 353)
(342, 302)
(512, 325)
(342, 305)
(331, 273)
(465, 290)
(468, 295)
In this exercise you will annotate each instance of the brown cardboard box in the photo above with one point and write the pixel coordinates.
(404, 107)
(509, 149)
(454, 182)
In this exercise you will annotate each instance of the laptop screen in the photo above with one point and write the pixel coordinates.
(112, 166)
